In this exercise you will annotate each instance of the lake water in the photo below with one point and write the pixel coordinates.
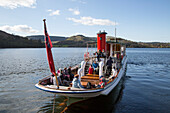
(144, 89)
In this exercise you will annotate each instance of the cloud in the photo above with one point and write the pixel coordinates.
(92, 21)
(80, 1)
(12, 4)
(19, 28)
(49, 10)
(54, 12)
(75, 11)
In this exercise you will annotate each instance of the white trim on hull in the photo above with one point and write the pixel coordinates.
(85, 92)
(70, 93)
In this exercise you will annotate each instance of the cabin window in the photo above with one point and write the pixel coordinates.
(100, 38)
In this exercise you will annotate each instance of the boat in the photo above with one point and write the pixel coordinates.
(108, 48)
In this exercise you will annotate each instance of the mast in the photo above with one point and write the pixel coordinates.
(48, 45)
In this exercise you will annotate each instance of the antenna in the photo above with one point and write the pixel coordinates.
(115, 29)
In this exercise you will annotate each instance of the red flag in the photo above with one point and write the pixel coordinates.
(48, 45)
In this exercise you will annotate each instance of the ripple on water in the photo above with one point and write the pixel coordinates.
(146, 87)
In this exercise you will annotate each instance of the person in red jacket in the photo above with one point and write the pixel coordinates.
(91, 69)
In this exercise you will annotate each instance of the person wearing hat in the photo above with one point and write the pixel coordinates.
(76, 82)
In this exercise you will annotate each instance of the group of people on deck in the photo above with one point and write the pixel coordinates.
(95, 67)
(111, 71)
(63, 76)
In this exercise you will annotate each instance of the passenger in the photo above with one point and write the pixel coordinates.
(114, 70)
(107, 54)
(76, 82)
(59, 80)
(66, 81)
(114, 73)
(59, 70)
(102, 83)
(70, 73)
(109, 65)
(61, 75)
(103, 54)
(89, 86)
(95, 66)
(98, 55)
(53, 80)
(66, 73)
(90, 70)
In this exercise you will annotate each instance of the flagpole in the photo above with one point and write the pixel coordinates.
(115, 39)
(49, 53)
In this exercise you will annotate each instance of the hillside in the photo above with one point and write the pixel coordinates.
(13, 41)
(75, 41)
(81, 41)
(41, 37)
(132, 44)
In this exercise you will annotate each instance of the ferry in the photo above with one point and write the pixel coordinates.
(107, 49)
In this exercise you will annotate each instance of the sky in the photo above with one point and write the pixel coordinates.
(136, 20)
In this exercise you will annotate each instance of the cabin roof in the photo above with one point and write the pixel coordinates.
(101, 32)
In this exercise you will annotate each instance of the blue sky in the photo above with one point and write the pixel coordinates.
(137, 20)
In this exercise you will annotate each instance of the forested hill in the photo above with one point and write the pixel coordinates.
(36, 41)
(81, 41)
(13, 41)
(132, 44)
(41, 37)
(75, 41)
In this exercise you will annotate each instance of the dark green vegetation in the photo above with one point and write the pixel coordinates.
(132, 44)
(75, 41)
(13, 41)
(41, 37)
(81, 41)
